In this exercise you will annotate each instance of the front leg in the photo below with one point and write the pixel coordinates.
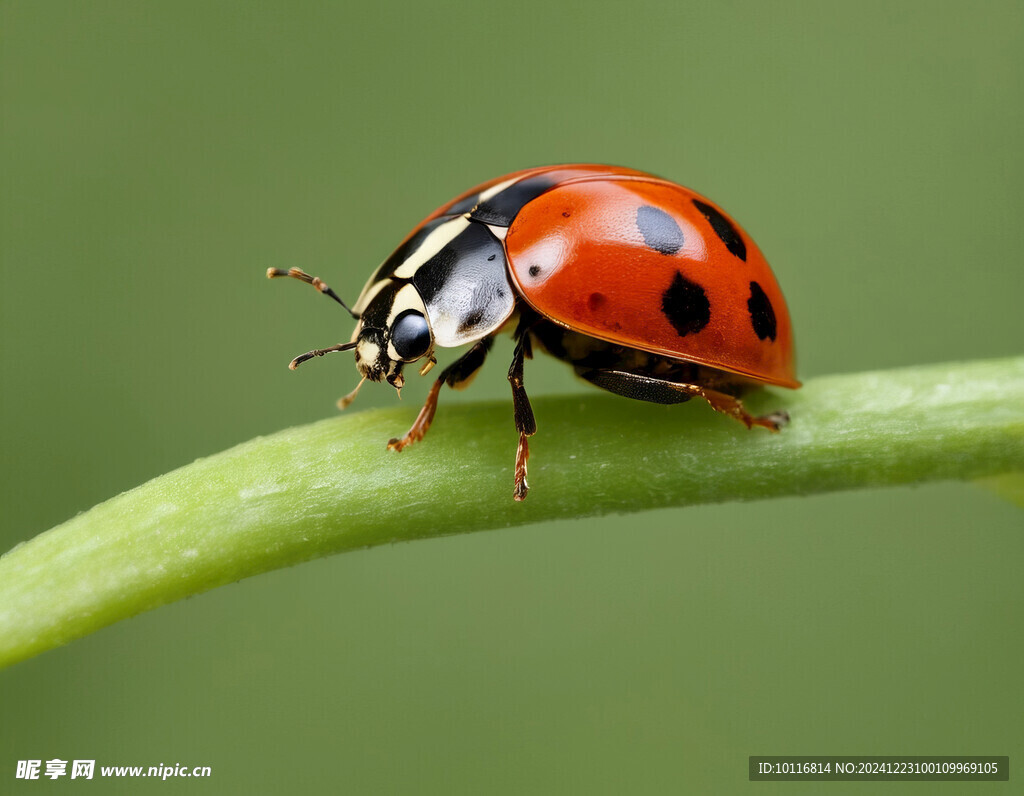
(660, 391)
(456, 375)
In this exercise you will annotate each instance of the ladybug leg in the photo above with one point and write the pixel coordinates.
(526, 425)
(315, 281)
(729, 405)
(456, 375)
(633, 385)
(660, 391)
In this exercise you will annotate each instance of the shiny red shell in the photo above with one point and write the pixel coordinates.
(579, 255)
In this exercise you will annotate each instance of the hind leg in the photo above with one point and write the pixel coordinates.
(661, 391)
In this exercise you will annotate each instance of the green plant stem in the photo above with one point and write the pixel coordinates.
(331, 486)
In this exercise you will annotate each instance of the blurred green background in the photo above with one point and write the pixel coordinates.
(157, 158)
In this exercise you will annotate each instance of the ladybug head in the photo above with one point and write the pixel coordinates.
(393, 330)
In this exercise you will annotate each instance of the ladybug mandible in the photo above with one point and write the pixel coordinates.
(646, 288)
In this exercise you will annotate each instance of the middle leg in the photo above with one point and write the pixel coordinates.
(526, 425)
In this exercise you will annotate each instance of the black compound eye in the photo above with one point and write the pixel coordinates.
(410, 335)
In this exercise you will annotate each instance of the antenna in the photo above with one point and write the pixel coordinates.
(319, 352)
(315, 281)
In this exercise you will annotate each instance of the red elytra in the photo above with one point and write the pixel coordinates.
(597, 275)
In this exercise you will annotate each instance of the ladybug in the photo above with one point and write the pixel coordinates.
(645, 287)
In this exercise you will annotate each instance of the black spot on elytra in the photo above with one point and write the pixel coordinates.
(660, 230)
(534, 270)
(723, 229)
(762, 316)
(686, 306)
(596, 301)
